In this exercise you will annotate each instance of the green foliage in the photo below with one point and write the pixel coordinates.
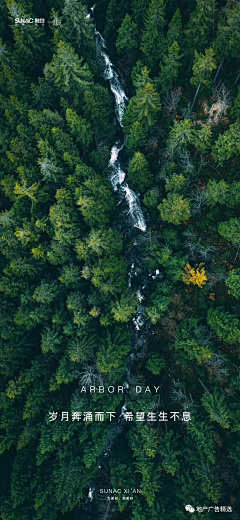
(169, 68)
(138, 171)
(81, 348)
(139, 9)
(175, 183)
(233, 283)
(124, 308)
(155, 363)
(191, 340)
(217, 192)
(69, 479)
(174, 209)
(147, 105)
(113, 350)
(221, 192)
(68, 320)
(98, 109)
(167, 449)
(51, 340)
(109, 274)
(230, 230)
(95, 200)
(217, 408)
(127, 36)
(203, 65)
(66, 70)
(80, 128)
(136, 137)
(151, 198)
(202, 434)
(153, 36)
(228, 144)
(144, 443)
(227, 40)
(77, 28)
(174, 33)
(46, 292)
(200, 25)
(159, 307)
(100, 242)
(181, 134)
(226, 326)
(144, 108)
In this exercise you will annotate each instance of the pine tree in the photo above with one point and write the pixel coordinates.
(167, 448)
(228, 144)
(138, 171)
(109, 275)
(217, 408)
(136, 137)
(226, 44)
(174, 33)
(77, 29)
(153, 40)
(139, 10)
(67, 70)
(31, 47)
(147, 105)
(124, 308)
(80, 128)
(95, 201)
(169, 68)
(201, 26)
(233, 283)
(202, 68)
(174, 209)
(230, 230)
(127, 41)
(226, 326)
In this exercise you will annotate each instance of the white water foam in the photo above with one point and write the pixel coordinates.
(117, 175)
(90, 494)
(134, 208)
(120, 97)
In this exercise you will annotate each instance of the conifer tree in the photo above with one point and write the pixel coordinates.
(169, 68)
(67, 71)
(138, 171)
(202, 68)
(153, 40)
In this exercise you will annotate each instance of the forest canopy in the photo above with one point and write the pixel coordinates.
(71, 258)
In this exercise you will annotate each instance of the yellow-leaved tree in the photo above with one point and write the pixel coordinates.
(196, 276)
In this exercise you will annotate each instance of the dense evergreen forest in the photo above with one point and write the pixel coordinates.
(68, 303)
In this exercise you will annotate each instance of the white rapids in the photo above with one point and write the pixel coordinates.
(117, 178)
(115, 85)
(117, 175)
(90, 494)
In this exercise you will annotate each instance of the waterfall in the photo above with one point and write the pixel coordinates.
(137, 272)
(117, 178)
(109, 73)
(117, 175)
(134, 208)
(137, 278)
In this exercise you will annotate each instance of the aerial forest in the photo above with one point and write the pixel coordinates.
(119, 259)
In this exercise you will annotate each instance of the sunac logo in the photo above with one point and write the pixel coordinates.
(23, 21)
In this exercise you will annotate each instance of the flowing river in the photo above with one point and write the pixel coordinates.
(135, 225)
(117, 176)
(137, 277)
